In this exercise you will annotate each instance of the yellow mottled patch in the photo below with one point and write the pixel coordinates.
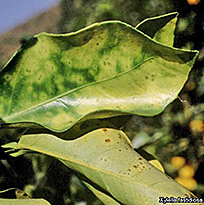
(50, 67)
(29, 89)
(42, 49)
(93, 70)
(61, 119)
(30, 67)
(59, 82)
(66, 60)
(77, 58)
(8, 77)
(109, 64)
(87, 60)
(35, 95)
(77, 78)
(26, 104)
(43, 96)
(98, 39)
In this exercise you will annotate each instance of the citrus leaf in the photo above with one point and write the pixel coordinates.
(102, 196)
(23, 202)
(151, 159)
(107, 158)
(161, 28)
(105, 70)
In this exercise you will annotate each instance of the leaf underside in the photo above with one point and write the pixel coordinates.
(106, 157)
(23, 202)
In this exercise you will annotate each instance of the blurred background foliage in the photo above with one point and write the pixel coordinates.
(175, 137)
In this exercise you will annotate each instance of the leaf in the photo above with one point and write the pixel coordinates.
(102, 196)
(161, 28)
(23, 202)
(107, 158)
(12, 131)
(105, 70)
(22, 198)
(151, 159)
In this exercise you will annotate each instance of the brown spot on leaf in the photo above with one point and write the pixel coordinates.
(107, 140)
(167, 176)
(140, 158)
(105, 130)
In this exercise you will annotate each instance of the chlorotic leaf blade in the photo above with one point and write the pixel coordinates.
(107, 159)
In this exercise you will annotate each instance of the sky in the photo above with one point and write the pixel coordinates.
(15, 12)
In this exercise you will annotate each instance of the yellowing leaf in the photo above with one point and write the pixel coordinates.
(106, 157)
(23, 202)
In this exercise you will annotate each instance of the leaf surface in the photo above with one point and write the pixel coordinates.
(23, 202)
(102, 196)
(106, 157)
(160, 28)
(105, 70)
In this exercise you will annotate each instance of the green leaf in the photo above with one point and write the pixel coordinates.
(161, 28)
(23, 202)
(107, 158)
(105, 70)
(10, 145)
